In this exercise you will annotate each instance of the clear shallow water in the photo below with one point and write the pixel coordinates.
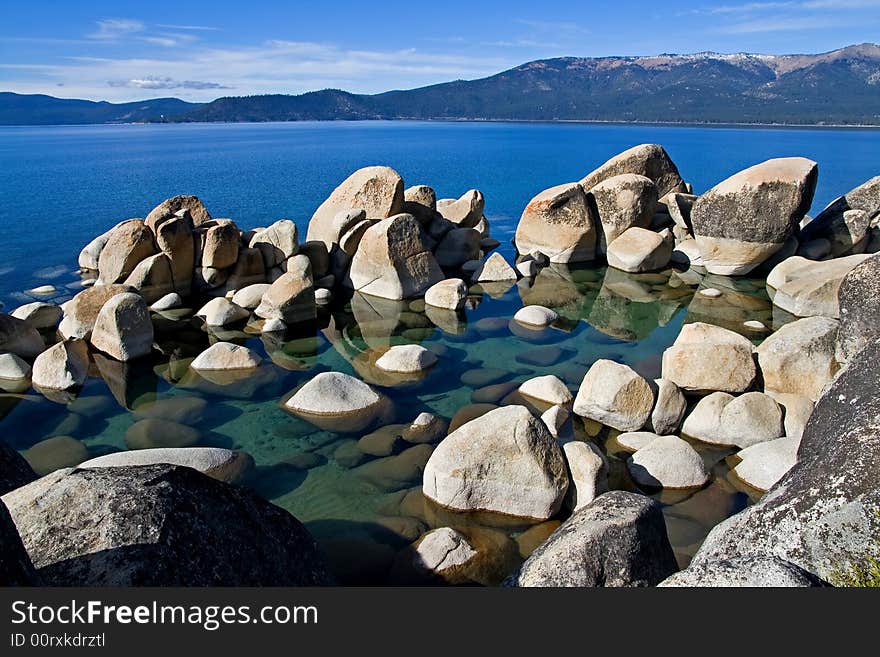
(62, 186)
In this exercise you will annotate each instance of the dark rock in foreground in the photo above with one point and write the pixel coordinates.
(16, 568)
(159, 525)
(822, 516)
(14, 470)
(744, 572)
(619, 539)
(859, 302)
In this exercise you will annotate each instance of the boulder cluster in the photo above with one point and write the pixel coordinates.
(794, 411)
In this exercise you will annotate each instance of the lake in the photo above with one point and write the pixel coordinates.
(61, 186)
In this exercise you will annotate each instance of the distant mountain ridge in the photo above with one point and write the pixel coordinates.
(39, 109)
(838, 87)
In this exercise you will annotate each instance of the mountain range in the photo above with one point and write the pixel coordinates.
(838, 87)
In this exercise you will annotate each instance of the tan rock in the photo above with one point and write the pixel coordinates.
(63, 366)
(378, 190)
(81, 312)
(393, 261)
(623, 202)
(559, 223)
(800, 357)
(649, 160)
(169, 207)
(639, 250)
(128, 244)
(706, 358)
(123, 329)
(613, 394)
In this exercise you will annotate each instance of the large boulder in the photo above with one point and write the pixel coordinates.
(19, 338)
(859, 305)
(622, 202)
(152, 277)
(170, 207)
(705, 358)
(39, 314)
(743, 572)
(81, 312)
(845, 221)
(291, 298)
(457, 247)
(14, 470)
(822, 515)
(800, 357)
(560, 224)
(276, 243)
(337, 401)
(16, 568)
(216, 462)
(175, 239)
(220, 243)
(619, 539)
(639, 250)
(465, 211)
(747, 218)
(159, 525)
(504, 461)
(668, 462)
(806, 288)
(63, 366)
(377, 190)
(649, 160)
(613, 394)
(128, 244)
(91, 252)
(722, 419)
(123, 329)
(393, 261)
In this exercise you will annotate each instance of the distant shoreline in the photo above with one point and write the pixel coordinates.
(667, 124)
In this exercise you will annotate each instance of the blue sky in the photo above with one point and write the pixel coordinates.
(122, 51)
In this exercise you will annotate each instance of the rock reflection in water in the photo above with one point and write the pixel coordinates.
(365, 506)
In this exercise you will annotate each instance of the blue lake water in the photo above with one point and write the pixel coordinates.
(68, 184)
(61, 186)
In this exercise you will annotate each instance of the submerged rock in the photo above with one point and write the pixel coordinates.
(619, 539)
(504, 461)
(337, 401)
(160, 525)
(747, 218)
(409, 358)
(668, 462)
(226, 356)
(55, 453)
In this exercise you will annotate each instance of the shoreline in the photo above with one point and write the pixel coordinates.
(665, 124)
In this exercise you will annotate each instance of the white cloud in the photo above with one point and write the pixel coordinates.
(273, 67)
(115, 28)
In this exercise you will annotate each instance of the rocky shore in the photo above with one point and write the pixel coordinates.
(787, 399)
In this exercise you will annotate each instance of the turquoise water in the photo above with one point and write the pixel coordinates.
(61, 186)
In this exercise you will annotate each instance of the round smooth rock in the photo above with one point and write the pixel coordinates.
(536, 316)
